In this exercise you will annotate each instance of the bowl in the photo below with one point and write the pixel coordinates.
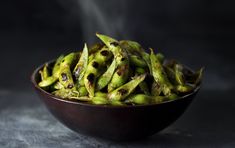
(113, 122)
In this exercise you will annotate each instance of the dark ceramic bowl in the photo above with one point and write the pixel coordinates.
(113, 122)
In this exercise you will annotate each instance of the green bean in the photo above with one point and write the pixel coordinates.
(100, 101)
(56, 68)
(159, 74)
(47, 82)
(137, 61)
(81, 66)
(123, 91)
(106, 77)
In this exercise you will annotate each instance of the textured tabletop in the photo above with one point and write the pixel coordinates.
(25, 122)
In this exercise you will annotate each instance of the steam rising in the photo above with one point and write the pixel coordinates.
(107, 17)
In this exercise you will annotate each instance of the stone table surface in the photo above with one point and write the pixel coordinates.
(25, 122)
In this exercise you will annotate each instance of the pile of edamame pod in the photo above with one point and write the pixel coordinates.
(118, 73)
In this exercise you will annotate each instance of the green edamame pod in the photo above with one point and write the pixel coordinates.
(69, 60)
(58, 85)
(179, 76)
(184, 88)
(121, 74)
(119, 77)
(56, 68)
(123, 91)
(143, 85)
(100, 101)
(70, 94)
(134, 48)
(137, 61)
(159, 74)
(139, 99)
(65, 77)
(47, 82)
(101, 94)
(171, 75)
(81, 66)
(41, 75)
(103, 55)
(142, 99)
(117, 103)
(45, 72)
(106, 77)
(93, 69)
(172, 96)
(82, 91)
(156, 89)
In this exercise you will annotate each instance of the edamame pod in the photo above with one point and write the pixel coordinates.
(119, 77)
(47, 82)
(137, 61)
(159, 74)
(100, 101)
(184, 88)
(121, 74)
(179, 76)
(93, 68)
(123, 91)
(81, 66)
(101, 94)
(45, 72)
(82, 91)
(106, 77)
(65, 77)
(56, 68)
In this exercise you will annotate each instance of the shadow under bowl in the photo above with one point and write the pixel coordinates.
(113, 122)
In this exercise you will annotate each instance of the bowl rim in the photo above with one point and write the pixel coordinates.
(32, 78)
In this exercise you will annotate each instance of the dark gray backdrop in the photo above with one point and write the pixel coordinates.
(197, 32)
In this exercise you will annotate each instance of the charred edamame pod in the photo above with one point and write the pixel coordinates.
(123, 91)
(56, 68)
(159, 74)
(106, 77)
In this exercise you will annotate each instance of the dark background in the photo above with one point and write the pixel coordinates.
(197, 32)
